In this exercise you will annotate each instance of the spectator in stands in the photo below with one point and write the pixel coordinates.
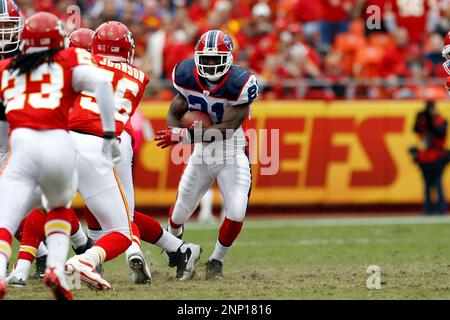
(432, 156)
(336, 17)
(262, 29)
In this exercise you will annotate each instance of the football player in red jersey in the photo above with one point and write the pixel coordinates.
(143, 226)
(211, 83)
(11, 24)
(81, 38)
(446, 55)
(31, 230)
(113, 49)
(37, 87)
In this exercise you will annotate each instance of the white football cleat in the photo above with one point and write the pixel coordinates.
(140, 272)
(87, 273)
(17, 279)
(186, 261)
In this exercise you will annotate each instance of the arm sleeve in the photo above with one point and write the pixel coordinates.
(86, 78)
(4, 129)
(249, 92)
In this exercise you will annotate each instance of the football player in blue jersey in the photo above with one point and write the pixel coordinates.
(212, 84)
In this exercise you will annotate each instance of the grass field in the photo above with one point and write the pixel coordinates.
(299, 259)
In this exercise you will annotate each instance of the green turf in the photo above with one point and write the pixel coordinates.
(294, 259)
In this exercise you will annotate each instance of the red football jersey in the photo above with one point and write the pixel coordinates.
(41, 99)
(129, 85)
(412, 15)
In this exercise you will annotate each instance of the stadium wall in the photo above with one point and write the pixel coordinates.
(330, 153)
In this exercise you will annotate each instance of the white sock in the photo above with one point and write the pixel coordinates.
(206, 204)
(58, 247)
(220, 252)
(95, 255)
(132, 249)
(23, 266)
(95, 235)
(42, 250)
(168, 242)
(3, 266)
(79, 239)
(175, 231)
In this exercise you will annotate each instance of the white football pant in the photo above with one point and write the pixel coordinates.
(38, 158)
(99, 185)
(234, 181)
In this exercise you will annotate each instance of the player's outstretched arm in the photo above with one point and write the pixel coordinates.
(178, 107)
(4, 129)
(87, 78)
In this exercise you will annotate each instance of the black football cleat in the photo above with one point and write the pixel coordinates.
(83, 249)
(214, 270)
(41, 266)
(171, 257)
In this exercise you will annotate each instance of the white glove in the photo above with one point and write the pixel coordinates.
(111, 150)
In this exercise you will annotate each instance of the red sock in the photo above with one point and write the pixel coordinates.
(91, 221)
(149, 227)
(74, 222)
(5, 243)
(229, 231)
(113, 244)
(19, 232)
(136, 234)
(173, 224)
(33, 234)
(54, 226)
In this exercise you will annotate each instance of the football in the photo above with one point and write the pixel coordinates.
(191, 117)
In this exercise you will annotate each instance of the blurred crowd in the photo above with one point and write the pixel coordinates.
(312, 49)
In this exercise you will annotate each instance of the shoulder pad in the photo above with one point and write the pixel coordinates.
(237, 79)
(183, 75)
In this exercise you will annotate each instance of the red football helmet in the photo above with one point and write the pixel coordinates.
(214, 55)
(42, 31)
(10, 26)
(114, 41)
(82, 38)
(446, 50)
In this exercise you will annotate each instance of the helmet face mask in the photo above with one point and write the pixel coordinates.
(447, 66)
(446, 52)
(11, 25)
(213, 66)
(213, 55)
